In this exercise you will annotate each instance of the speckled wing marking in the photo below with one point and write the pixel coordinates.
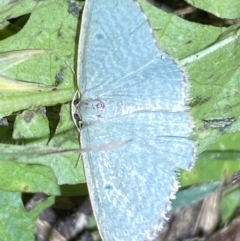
(130, 90)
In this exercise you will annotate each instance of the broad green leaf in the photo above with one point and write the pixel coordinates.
(68, 168)
(19, 177)
(18, 8)
(209, 170)
(9, 84)
(41, 33)
(229, 203)
(221, 8)
(32, 126)
(16, 223)
(218, 161)
(9, 59)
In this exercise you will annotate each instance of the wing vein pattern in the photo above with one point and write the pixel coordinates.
(130, 89)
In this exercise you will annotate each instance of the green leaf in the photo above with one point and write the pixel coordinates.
(221, 8)
(18, 8)
(32, 125)
(9, 59)
(229, 204)
(16, 222)
(68, 168)
(40, 32)
(220, 160)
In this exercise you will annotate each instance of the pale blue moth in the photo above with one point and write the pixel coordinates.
(130, 90)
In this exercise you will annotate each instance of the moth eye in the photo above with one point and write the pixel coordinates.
(100, 105)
